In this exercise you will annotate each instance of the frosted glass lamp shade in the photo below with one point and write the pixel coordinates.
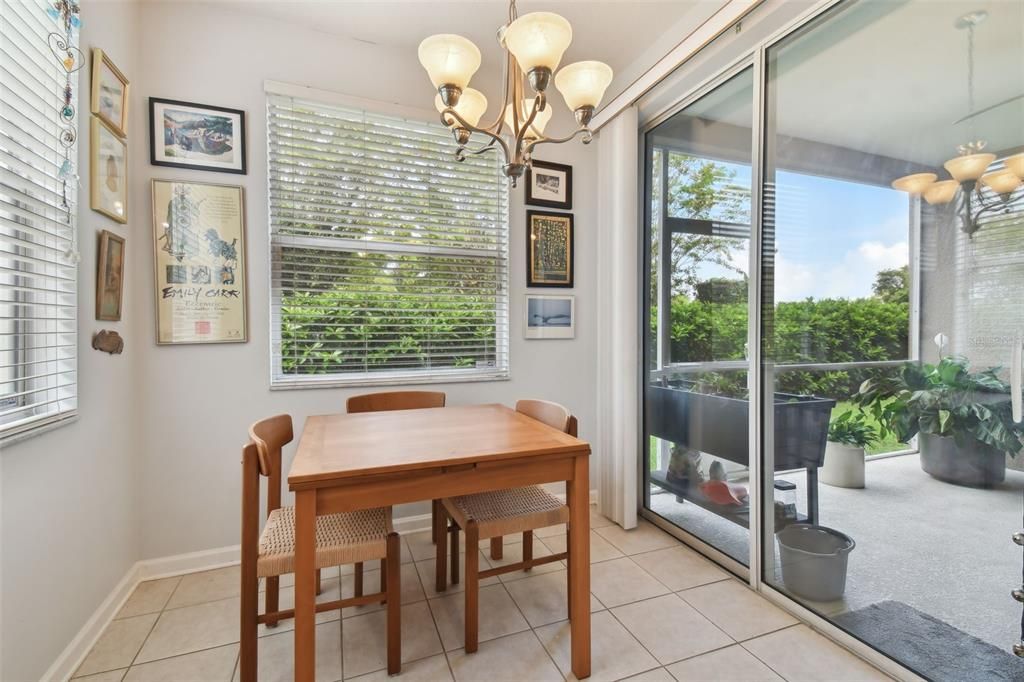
(941, 192)
(538, 40)
(969, 167)
(1001, 181)
(449, 59)
(582, 84)
(539, 121)
(1015, 164)
(914, 184)
(472, 105)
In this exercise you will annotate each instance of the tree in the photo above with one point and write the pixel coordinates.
(892, 285)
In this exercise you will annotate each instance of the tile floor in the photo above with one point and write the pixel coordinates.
(661, 612)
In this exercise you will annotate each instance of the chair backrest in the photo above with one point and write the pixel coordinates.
(270, 435)
(395, 400)
(552, 414)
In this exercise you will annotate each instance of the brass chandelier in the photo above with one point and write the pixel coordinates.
(534, 44)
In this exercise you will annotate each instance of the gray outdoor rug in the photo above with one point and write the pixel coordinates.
(932, 648)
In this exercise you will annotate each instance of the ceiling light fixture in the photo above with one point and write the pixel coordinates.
(534, 44)
(978, 192)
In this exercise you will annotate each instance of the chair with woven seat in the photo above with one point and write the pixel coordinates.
(496, 514)
(345, 538)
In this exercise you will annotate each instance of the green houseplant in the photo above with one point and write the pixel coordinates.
(963, 417)
(848, 435)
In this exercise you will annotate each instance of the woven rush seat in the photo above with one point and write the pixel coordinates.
(505, 512)
(345, 538)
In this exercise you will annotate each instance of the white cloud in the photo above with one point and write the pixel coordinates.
(850, 277)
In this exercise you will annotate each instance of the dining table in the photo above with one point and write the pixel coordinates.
(347, 462)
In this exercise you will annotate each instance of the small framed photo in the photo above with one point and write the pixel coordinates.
(549, 185)
(549, 249)
(108, 171)
(109, 276)
(196, 136)
(550, 317)
(109, 98)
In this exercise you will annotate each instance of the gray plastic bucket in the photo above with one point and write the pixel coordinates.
(814, 560)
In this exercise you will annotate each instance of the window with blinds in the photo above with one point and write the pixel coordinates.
(38, 371)
(389, 258)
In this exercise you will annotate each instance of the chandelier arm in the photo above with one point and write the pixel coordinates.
(480, 150)
(474, 129)
(588, 136)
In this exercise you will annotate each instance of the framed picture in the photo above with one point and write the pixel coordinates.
(196, 136)
(109, 93)
(108, 171)
(549, 249)
(550, 317)
(109, 276)
(549, 185)
(199, 254)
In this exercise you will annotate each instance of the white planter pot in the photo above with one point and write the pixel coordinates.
(844, 466)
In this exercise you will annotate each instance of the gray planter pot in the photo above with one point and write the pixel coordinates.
(973, 464)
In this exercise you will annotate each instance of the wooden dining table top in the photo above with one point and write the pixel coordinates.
(339, 446)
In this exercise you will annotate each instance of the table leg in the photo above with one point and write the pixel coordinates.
(305, 585)
(578, 498)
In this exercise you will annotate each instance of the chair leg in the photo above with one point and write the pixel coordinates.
(318, 590)
(455, 553)
(527, 547)
(436, 509)
(358, 569)
(271, 599)
(441, 550)
(472, 586)
(567, 572)
(383, 575)
(393, 588)
(497, 547)
(249, 623)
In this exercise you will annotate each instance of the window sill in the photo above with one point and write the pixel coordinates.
(38, 428)
(384, 379)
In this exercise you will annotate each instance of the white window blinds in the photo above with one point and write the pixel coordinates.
(389, 257)
(37, 280)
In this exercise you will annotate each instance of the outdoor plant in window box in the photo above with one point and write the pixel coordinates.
(963, 419)
(848, 436)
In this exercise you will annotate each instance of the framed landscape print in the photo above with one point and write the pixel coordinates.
(196, 136)
(550, 317)
(109, 276)
(109, 98)
(549, 249)
(549, 185)
(108, 171)
(199, 253)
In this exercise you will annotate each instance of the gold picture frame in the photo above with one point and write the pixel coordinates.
(109, 276)
(199, 269)
(549, 249)
(108, 171)
(110, 91)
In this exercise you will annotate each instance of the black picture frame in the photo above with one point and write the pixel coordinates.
(532, 278)
(533, 200)
(157, 161)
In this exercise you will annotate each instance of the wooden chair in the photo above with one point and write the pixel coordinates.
(498, 513)
(346, 538)
(400, 400)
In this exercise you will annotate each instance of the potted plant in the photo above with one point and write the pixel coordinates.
(963, 418)
(848, 435)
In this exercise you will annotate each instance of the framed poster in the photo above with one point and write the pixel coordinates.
(549, 249)
(550, 317)
(109, 276)
(109, 98)
(549, 184)
(108, 171)
(196, 136)
(199, 254)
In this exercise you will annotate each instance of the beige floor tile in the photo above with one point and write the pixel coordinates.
(680, 568)
(656, 675)
(211, 665)
(329, 591)
(412, 590)
(363, 639)
(614, 652)
(732, 664)
(485, 545)
(800, 654)
(277, 655)
(149, 597)
(600, 549)
(119, 644)
(192, 628)
(425, 569)
(498, 616)
(432, 669)
(542, 598)
(550, 531)
(198, 588)
(620, 581)
(597, 520)
(514, 553)
(109, 676)
(288, 579)
(514, 658)
(738, 610)
(670, 628)
(644, 538)
(420, 545)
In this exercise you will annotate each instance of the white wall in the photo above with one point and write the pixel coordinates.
(197, 401)
(69, 515)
